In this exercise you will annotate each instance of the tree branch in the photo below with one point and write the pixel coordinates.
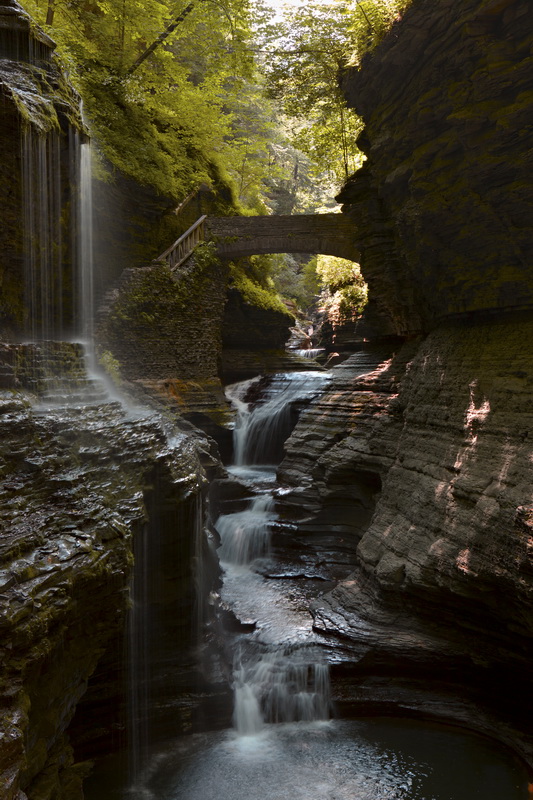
(161, 38)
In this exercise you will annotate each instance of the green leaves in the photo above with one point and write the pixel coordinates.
(303, 76)
(344, 292)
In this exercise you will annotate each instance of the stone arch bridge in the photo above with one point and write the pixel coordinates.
(237, 237)
(327, 234)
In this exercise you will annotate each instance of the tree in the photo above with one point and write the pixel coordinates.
(303, 76)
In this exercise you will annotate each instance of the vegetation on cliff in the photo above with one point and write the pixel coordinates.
(221, 95)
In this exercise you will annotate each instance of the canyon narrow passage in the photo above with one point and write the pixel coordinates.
(286, 741)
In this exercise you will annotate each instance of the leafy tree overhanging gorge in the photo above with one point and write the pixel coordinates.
(179, 95)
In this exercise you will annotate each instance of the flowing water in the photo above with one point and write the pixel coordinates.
(373, 759)
(310, 352)
(262, 429)
(283, 743)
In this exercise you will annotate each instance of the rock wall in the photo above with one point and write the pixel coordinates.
(77, 498)
(443, 207)
(40, 118)
(424, 471)
(437, 613)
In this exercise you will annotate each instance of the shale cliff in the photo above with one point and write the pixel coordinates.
(428, 463)
(83, 488)
(443, 205)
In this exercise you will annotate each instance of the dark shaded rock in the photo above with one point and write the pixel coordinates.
(443, 207)
(253, 328)
(241, 364)
(81, 488)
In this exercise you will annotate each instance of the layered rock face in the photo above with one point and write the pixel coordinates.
(82, 488)
(435, 450)
(420, 475)
(443, 207)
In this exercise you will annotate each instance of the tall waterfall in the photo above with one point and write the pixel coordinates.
(85, 244)
(58, 235)
(43, 234)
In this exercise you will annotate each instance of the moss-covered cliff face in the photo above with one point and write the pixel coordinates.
(178, 335)
(134, 223)
(443, 207)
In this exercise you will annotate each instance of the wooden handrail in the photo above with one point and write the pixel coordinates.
(183, 247)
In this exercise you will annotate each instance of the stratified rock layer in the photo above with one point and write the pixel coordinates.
(443, 207)
(440, 604)
(82, 486)
(437, 613)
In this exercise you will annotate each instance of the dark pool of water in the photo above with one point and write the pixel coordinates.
(372, 759)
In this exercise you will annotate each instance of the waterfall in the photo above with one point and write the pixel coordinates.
(166, 615)
(245, 535)
(85, 236)
(282, 684)
(57, 235)
(262, 428)
(284, 681)
(311, 352)
(58, 363)
(42, 238)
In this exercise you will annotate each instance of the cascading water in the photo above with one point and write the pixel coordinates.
(280, 684)
(310, 352)
(43, 239)
(85, 244)
(261, 429)
(283, 745)
(58, 362)
(245, 534)
(280, 676)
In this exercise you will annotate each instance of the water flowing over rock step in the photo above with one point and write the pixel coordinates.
(281, 684)
(55, 371)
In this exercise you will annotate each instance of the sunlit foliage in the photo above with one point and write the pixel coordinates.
(163, 120)
(370, 20)
(344, 291)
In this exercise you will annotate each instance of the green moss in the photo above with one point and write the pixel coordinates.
(254, 294)
(111, 365)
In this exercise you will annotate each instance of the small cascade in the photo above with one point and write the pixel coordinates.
(311, 352)
(284, 677)
(245, 535)
(262, 428)
(56, 372)
(282, 684)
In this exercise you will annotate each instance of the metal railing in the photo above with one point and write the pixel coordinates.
(183, 247)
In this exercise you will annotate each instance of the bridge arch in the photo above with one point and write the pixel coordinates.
(327, 234)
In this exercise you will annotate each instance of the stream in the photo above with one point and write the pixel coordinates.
(285, 741)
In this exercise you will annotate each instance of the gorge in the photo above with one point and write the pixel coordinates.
(363, 537)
